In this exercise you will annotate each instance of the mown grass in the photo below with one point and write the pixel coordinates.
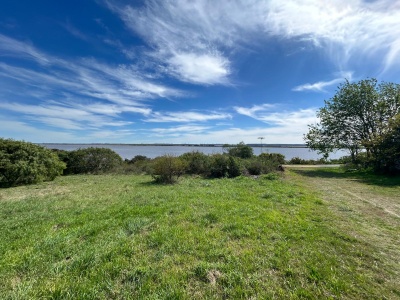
(122, 237)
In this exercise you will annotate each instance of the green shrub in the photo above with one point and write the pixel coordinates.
(234, 167)
(92, 160)
(222, 165)
(254, 166)
(275, 158)
(27, 163)
(136, 159)
(241, 150)
(197, 162)
(264, 163)
(272, 176)
(167, 168)
(297, 161)
(138, 167)
(300, 161)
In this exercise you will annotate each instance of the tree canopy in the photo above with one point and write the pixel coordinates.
(240, 150)
(356, 118)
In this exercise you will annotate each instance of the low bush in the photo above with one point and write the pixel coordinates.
(275, 158)
(167, 168)
(264, 163)
(139, 167)
(27, 163)
(222, 165)
(92, 161)
(197, 162)
(300, 161)
(136, 159)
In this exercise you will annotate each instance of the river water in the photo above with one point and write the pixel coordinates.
(129, 151)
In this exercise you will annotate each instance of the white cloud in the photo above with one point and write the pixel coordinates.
(89, 94)
(282, 125)
(316, 87)
(345, 29)
(252, 111)
(181, 35)
(14, 48)
(69, 117)
(200, 69)
(178, 30)
(188, 116)
(181, 129)
(321, 85)
(232, 135)
(264, 113)
(24, 131)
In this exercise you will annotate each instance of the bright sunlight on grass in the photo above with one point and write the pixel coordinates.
(122, 237)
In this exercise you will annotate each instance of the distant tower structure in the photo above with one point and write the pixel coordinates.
(261, 138)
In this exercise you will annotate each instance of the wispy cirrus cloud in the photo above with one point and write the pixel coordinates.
(321, 85)
(21, 129)
(15, 48)
(90, 94)
(185, 117)
(75, 31)
(282, 126)
(254, 110)
(298, 120)
(180, 130)
(203, 34)
(64, 116)
(180, 38)
(317, 86)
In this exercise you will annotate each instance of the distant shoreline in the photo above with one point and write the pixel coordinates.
(185, 145)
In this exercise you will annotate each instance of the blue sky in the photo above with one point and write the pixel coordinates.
(180, 71)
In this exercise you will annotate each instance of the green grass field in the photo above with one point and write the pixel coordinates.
(122, 237)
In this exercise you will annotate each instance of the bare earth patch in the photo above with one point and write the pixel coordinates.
(26, 192)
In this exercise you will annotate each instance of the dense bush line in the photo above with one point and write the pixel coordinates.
(24, 163)
(168, 168)
(27, 163)
(90, 160)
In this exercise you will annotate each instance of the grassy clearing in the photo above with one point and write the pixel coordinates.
(122, 237)
(367, 207)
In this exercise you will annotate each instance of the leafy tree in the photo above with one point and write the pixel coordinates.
(388, 156)
(92, 160)
(26, 163)
(241, 150)
(355, 118)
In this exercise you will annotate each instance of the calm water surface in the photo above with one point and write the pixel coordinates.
(129, 151)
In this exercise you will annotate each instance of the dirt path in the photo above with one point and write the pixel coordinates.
(310, 166)
(361, 196)
(368, 211)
